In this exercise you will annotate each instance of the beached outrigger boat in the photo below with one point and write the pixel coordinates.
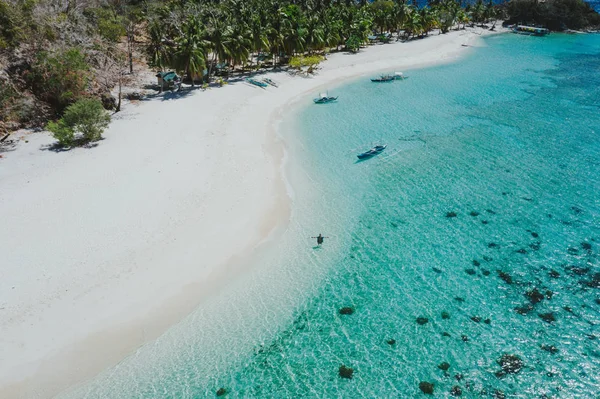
(324, 98)
(256, 83)
(383, 78)
(270, 82)
(373, 151)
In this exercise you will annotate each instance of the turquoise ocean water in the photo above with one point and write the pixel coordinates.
(508, 140)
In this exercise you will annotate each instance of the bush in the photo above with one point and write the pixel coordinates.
(108, 24)
(61, 132)
(86, 116)
(309, 61)
(10, 22)
(353, 44)
(59, 79)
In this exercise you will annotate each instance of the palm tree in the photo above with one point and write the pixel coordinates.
(239, 45)
(258, 35)
(412, 26)
(315, 35)
(159, 50)
(189, 53)
(293, 31)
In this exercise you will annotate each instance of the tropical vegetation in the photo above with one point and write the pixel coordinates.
(556, 15)
(54, 53)
(86, 118)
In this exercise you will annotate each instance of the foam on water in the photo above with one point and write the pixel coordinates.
(507, 139)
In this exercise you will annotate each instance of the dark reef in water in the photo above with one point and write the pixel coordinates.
(525, 309)
(586, 246)
(549, 348)
(221, 391)
(347, 310)
(535, 246)
(510, 364)
(505, 276)
(594, 282)
(534, 296)
(345, 372)
(422, 320)
(426, 387)
(547, 317)
(456, 391)
(444, 366)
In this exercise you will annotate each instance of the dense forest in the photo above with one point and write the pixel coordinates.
(556, 15)
(54, 53)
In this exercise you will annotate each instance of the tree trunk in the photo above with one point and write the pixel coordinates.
(119, 101)
(210, 67)
(130, 39)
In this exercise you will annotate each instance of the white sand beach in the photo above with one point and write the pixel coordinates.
(104, 248)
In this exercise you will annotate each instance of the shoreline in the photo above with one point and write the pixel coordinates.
(256, 159)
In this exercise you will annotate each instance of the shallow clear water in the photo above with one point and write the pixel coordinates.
(508, 139)
(510, 134)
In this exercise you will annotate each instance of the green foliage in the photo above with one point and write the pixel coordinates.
(10, 25)
(189, 53)
(310, 61)
(86, 117)
(108, 23)
(553, 14)
(61, 132)
(59, 79)
(353, 43)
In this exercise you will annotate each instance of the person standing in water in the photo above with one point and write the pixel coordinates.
(320, 239)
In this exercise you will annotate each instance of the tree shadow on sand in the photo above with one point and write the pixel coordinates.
(77, 143)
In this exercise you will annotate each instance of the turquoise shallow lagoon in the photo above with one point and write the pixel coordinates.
(482, 217)
(508, 139)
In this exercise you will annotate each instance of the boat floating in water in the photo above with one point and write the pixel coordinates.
(324, 98)
(383, 78)
(389, 77)
(530, 30)
(378, 149)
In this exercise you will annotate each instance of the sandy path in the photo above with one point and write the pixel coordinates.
(105, 248)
